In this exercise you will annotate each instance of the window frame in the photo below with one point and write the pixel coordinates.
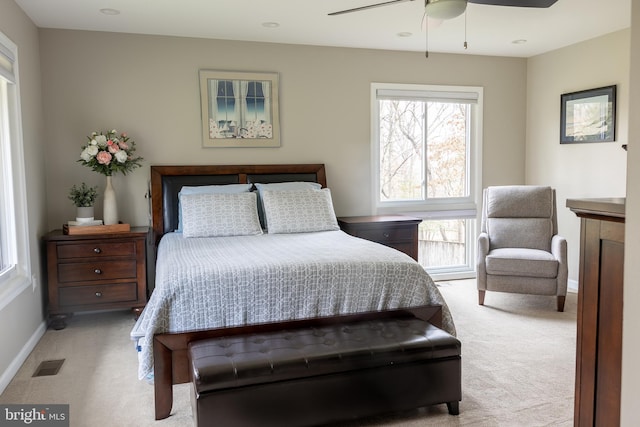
(14, 230)
(465, 208)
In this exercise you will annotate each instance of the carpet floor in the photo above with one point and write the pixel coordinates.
(518, 368)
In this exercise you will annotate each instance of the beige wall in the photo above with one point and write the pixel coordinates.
(148, 86)
(21, 321)
(593, 170)
(576, 170)
(630, 412)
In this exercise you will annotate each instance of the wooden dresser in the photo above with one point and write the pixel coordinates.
(397, 231)
(599, 337)
(95, 272)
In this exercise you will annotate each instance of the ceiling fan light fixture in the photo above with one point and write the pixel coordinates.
(445, 9)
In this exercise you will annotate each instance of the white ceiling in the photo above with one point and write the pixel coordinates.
(490, 30)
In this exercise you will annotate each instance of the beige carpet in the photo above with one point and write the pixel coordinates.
(518, 368)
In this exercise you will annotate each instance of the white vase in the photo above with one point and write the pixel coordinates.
(110, 207)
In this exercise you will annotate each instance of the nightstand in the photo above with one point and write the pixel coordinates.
(397, 231)
(95, 272)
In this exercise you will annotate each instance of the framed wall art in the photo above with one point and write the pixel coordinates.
(239, 109)
(588, 116)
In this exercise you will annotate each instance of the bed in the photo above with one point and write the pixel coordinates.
(210, 285)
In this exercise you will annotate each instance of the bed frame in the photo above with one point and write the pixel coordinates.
(170, 349)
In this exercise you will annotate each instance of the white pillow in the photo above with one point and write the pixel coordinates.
(209, 189)
(293, 185)
(220, 214)
(281, 186)
(300, 211)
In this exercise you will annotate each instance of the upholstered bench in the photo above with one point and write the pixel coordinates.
(313, 376)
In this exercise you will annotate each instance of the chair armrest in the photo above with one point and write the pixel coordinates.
(483, 245)
(481, 268)
(559, 251)
(559, 248)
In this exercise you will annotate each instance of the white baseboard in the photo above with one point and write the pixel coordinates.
(572, 286)
(20, 358)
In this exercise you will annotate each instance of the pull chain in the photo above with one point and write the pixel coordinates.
(426, 36)
(465, 30)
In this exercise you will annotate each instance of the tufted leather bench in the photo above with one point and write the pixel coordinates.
(312, 376)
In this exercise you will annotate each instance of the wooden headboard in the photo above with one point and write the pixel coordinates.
(166, 182)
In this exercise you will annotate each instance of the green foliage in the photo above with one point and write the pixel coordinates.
(83, 196)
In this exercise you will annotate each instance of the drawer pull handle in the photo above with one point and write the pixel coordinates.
(98, 294)
(97, 250)
(385, 235)
(97, 271)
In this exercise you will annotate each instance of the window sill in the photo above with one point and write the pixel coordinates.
(11, 288)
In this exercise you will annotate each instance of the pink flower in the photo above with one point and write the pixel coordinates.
(113, 148)
(103, 157)
(123, 145)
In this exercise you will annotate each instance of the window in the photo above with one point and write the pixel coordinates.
(426, 155)
(15, 267)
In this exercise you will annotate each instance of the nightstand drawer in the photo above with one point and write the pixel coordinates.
(96, 249)
(387, 234)
(97, 270)
(97, 294)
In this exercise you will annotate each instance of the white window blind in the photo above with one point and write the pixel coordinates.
(7, 60)
(458, 97)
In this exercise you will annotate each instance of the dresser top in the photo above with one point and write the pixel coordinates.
(604, 207)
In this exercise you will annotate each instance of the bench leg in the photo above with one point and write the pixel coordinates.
(454, 408)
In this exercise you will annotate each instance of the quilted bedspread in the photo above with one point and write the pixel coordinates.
(204, 283)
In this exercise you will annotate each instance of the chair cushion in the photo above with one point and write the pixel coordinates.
(521, 262)
(519, 201)
(533, 233)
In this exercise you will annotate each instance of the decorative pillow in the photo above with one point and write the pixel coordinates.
(209, 189)
(220, 214)
(300, 211)
(281, 186)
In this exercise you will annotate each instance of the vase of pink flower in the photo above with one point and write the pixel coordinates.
(109, 153)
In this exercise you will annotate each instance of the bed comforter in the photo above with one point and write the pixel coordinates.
(205, 283)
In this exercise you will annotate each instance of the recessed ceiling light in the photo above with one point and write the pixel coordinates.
(110, 12)
(519, 41)
(270, 24)
(405, 34)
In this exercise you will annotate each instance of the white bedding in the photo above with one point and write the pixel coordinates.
(204, 283)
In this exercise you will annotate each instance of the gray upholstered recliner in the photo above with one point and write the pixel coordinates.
(519, 249)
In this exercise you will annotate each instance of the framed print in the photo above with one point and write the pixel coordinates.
(588, 116)
(239, 109)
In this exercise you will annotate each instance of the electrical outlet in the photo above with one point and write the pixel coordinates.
(34, 282)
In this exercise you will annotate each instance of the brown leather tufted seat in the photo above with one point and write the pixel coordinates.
(313, 376)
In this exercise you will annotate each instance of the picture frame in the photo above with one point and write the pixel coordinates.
(588, 116)
(239, 109)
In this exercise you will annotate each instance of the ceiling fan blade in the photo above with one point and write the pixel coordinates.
(516, 3)
(371, 6)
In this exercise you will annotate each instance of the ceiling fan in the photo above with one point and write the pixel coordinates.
(447, 9)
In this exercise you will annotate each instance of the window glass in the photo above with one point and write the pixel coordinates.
(15, 264)
(427, 164)
(7, 234)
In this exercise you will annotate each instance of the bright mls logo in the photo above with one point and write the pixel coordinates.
(34, 415)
